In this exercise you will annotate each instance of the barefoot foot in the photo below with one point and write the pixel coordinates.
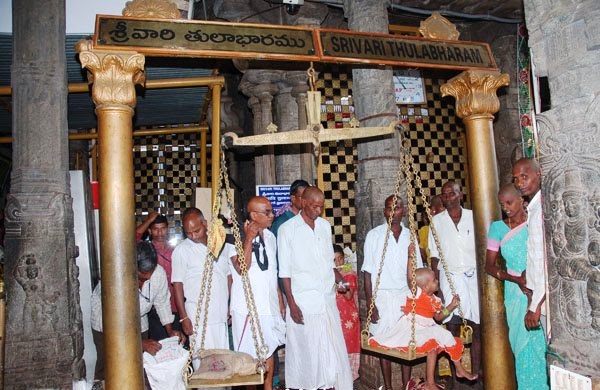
(462, 373)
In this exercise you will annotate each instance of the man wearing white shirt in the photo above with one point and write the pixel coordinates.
(393, 287)
(527, 178)
(316, 356)
(188, 266)
(153, 292)
(456, 232)
(260, 249)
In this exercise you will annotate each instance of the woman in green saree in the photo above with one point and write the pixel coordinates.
(509, 238)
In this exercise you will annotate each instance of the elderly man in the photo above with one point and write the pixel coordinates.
(188, 267)
(153, 292)
(393, 286)
(456, 232)
(527, 178)
(260, 248)
(316, 355)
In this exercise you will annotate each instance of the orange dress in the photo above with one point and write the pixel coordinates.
(428, 334)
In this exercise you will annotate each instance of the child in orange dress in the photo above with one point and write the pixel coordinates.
(430, 338)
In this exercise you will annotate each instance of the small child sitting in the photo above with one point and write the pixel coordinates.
(430, 338)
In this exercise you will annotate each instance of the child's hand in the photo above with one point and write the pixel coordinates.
(455, 301)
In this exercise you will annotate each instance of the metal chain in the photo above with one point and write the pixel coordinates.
(257, 335)
(365, 332)
(410, 194)
(424, 196)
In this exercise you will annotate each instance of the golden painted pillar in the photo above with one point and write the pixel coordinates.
(215, 153)
(114, 75)
(476, 102)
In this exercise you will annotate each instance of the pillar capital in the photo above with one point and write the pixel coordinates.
(475, 92)
(113, 74)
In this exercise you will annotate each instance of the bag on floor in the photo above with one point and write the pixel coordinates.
(164, 369)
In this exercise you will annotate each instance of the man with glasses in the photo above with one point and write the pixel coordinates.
(260, 248)
(153, 292)
(157, 228)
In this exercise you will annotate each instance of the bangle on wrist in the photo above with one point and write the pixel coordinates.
(445, 311)
(183, 319)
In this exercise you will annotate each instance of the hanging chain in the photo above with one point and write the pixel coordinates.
(410, 194)
(410, 166)
(257, 335)
(365, 331)
(205, 288)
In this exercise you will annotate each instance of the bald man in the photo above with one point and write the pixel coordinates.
(527, 178)
(315, 355)
(188, 266)
(260, 249)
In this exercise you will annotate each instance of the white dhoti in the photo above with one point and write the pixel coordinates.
(316, 356)
(389, 305)
(467, 289)
(273, 330)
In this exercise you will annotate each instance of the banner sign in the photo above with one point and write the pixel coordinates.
(185, 38)
(196, 38)
(278, 195)
(390, 49)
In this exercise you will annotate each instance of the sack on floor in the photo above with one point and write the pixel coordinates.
(164, 369)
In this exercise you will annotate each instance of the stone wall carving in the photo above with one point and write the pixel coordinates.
(571, 189)
(564, 50)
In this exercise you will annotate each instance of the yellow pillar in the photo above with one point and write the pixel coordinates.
(216, 138)
(114, 75)
(476, 102)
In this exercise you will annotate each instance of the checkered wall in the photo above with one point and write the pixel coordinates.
(338, 158)
(436, 138)
(166, 173)
(437, 141)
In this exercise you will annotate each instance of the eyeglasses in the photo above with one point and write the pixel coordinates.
(266, 212)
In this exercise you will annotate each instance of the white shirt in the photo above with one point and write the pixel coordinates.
(264, 283)
(188, 267)
(154, 292)
(306, 257)
(457, 241)
(536, 253)
(393, 274)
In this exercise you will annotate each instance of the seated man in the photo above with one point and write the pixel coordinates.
(153, 292)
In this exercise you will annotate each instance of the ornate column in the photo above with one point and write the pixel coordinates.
(307, 158)
(258, 85)
(287, 160)
(44, 339)
(114, 76)
(476, 102)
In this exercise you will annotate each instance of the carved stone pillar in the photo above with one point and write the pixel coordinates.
(114, 76)
(287, 160)
(307, 158)
(44, 339)
(258, 85)
(476, 102)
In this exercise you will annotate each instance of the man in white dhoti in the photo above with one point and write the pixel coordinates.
(260, 249)
(456, 233)
(188, 267)
(316, 355)
(393, 287)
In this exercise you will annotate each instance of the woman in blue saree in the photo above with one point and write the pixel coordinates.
(509, 237)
